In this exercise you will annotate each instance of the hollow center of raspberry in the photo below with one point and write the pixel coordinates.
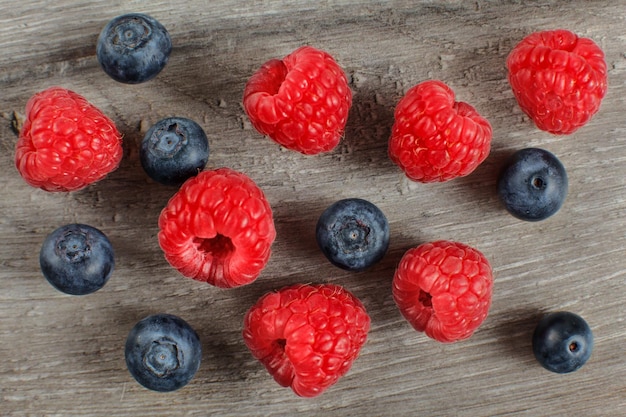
(219, 246)
(425, 299)
(281, 343)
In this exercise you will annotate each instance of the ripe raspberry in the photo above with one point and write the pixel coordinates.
(66, 143)
(558, 79)
(301, 102)
(307, 336)
(443, 288)
(435, 138)
(218, 228)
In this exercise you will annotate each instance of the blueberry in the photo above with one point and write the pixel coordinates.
(353, 234)
(562, 342)
(77, 259)
(173, 150)
(133, 48)
(533, 184)
(163, 352)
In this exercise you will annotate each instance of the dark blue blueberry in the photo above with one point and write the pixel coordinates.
(562, 342)
(163, 352)
(353, 234)
(173, 150)
(533, 184)
(133, 48)
(77, 259)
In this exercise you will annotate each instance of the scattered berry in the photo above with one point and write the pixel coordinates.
(163, 352)
(301, 102)
(558, 79)
(307, 336)
(173, 150)
(77, 259)
(133, 48)
(66, 143)
(353, 234)
(562, 342)
(218, 228)
(444, 289)
(533, 184)
(435, 138)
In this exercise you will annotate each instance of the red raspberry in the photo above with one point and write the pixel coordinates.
(435, 138)
(218, 228)
(66, 143)
(307, 336)
(301, 102)
(444, 289)
(558, 79)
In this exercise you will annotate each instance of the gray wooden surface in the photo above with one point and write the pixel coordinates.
(63, 355)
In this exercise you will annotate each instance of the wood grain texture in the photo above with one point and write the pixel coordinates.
(63, 356)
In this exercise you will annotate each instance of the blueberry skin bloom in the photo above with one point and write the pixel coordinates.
(353, 234)
(533, 184)
(163, 352)
(133, 48)
(77, 259)
(173, 150)
(562, 342)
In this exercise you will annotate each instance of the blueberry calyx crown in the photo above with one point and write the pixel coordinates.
(73, 245)
(162, 357)
(129, 34)
(354, 235)
(167, 140)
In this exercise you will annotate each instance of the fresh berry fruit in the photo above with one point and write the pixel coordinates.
(307, 336)
(218, 228)
(558, 79)
(444, 289)
(435, 138)
(163, 352)
(532, 184)
(562, 342)
(66, 143)
(173, 150)
(77, 259)
(301, 101)
(133, 48)
(353, 234)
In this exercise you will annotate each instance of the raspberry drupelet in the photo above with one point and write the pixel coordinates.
(218, 228)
